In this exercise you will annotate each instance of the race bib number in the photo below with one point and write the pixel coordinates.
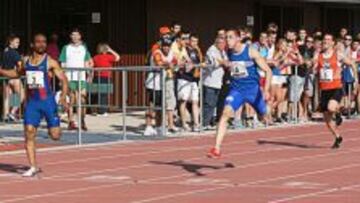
(238, 70)
(326, 75)
(35, 79)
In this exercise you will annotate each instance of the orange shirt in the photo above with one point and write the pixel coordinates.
(330, 72)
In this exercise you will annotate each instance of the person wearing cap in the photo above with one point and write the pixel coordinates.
(164, 58)
(164, 33)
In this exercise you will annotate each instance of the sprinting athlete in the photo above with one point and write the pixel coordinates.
(40, 98)
(329, 68)
(244, 84)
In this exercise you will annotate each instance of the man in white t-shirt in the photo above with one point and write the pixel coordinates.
(76, 55)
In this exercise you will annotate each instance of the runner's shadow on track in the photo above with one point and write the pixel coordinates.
(193, 168)
(288, 144)
(13, 168)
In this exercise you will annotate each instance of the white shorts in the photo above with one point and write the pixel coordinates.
(187, 91)
(278, 80)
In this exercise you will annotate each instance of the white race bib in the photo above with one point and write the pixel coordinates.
(238, 70)
(326, 75)
(35, 79)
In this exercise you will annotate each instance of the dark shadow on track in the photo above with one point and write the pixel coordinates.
(193, 168)
(289, 144)
(13, 168)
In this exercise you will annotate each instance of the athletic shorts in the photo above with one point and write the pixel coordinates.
(74, 85)
(328, 95)
(187, 91)
(253, 96)
(35, 110)
(278, 80)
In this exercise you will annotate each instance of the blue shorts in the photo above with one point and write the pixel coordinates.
(35, 110)
(253, 96)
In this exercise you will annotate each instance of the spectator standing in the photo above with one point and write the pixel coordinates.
(76, 55)
(11, 59)
(307, 51)
(161, 57)
(53, 47)
(105, 58)
(213, 79)
(187, 88)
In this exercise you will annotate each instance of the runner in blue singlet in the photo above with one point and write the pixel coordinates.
(244, 62)
(40, 99)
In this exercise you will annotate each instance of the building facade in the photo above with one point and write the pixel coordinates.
(131, 26)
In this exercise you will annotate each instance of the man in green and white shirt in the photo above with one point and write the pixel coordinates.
(76, 55)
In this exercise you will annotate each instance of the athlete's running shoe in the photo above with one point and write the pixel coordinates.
(214, 153)
(337, 142)
(31, 172)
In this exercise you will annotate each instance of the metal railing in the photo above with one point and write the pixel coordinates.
(101, 88)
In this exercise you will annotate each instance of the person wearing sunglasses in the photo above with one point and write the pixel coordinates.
(307, 51)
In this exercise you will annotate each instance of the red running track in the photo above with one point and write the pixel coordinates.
(272, 165)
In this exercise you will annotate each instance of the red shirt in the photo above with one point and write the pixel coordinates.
(103, 61)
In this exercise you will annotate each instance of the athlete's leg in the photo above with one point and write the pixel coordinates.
(222, 126)
(332, 108)
(233, 102)
(30, 144)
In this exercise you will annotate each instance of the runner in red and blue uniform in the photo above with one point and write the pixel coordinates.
(40, 98)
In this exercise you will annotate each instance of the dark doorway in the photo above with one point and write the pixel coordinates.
(337, 18)
(284, 16)
(62, 16)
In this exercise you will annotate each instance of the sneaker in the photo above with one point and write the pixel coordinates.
(31, 172)
(72, 126)
(12, 117)
(150, 131)
(238, 125)
(196, 129)
(209, 128)
(104, 114)
(337, 143)
(160, 132)
(186, 128)
(214, 153)
(173, 130)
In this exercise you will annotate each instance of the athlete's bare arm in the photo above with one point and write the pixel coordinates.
(59, 73)
(263, 66)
